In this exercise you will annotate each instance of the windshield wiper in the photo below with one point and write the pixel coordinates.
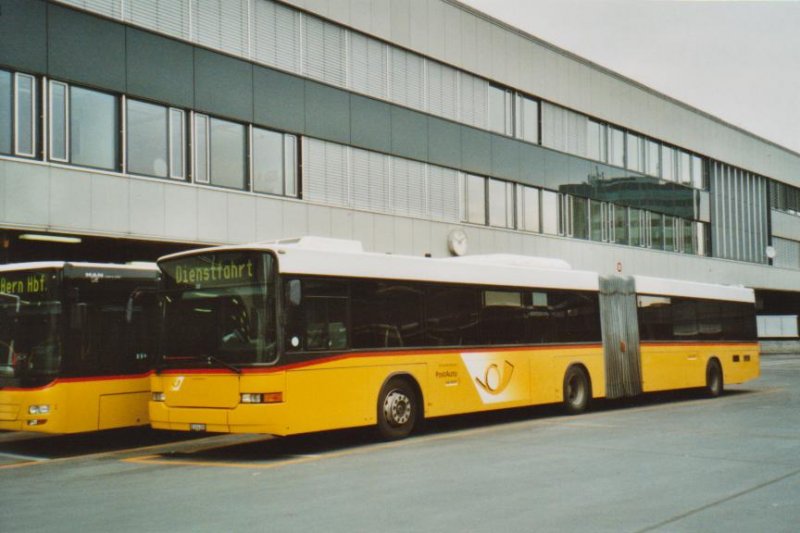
(212, 359)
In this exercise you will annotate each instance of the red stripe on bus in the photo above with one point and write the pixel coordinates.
(58, 381)
(340, 357)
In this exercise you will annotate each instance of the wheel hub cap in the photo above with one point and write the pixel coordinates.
(397, 408)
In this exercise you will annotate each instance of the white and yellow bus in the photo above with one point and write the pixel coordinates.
(76, 345)
(315, 334)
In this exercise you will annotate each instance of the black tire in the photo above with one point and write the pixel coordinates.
(398, 409)
(577, 390)
(714, 381)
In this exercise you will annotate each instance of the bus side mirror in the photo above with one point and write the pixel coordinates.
(294, 292)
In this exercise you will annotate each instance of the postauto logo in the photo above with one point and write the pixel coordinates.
(492, 378)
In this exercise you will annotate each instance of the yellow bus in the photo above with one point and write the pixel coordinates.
(76, 345)
(314, 334)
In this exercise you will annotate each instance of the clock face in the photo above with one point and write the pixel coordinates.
(457, 242)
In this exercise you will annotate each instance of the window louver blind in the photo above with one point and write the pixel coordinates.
(109, 8)
(474, 100)
(324, 51)
(442, 90)
(443, 194)
(165, 16)
(564, 130)
(409, 188)
(407, 85)
(222, 24)
(325, 173)
(371, 181)
(368, 66)
(276, 35)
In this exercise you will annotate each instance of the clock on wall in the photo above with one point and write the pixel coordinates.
(457, 242)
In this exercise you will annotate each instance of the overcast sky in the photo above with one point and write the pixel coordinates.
(737, 60)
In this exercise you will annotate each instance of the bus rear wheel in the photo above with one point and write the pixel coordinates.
(398, 409)
(714, 381)
(577, 390)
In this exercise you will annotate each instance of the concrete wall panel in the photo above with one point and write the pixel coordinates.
(70, 199)
(147, 208)
(109, 200)
(27, 193)
(241, 218)
(180, 220)
(212, 216)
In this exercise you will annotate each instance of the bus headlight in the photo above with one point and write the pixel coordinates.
(158, 397)
(38, 409)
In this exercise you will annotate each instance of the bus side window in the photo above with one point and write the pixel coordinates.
(320, 322)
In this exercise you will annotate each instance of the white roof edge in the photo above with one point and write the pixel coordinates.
(33, 265)
(693, 289)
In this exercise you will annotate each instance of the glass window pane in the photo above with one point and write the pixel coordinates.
(499, 206)
(616, 150)
(653, 158)
(580, 218)
(635, 236)
(530, 119)
(6, 99)
(596, 213)
(290, 165)
(669, 234)
(686, 168)
(620, 224)
(147, 139)
(177, 129)
(227, 154)
(26, 101)
(58, 121)
(550, 212)
(476, 199)
(93, 128)
(200, 149)
(498, 109)
(697, 172)
(267, 161)
(668, 163)
(530, 209)
(656, 231)
(596, 141)
(634, 152)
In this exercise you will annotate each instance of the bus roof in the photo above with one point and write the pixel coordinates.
(692, 289)
(335, 257)
(83, 269)
(321, 256)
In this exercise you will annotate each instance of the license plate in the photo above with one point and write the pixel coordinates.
(197, 427)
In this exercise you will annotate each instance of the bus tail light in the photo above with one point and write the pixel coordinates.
(158, 397)
(265, 397)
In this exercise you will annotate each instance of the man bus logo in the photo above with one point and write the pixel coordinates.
(177, 383)
(494, 381)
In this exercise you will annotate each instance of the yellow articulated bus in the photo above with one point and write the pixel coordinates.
(76, 345)
(314, 334)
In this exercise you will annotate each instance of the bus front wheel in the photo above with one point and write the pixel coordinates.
(714, 381)
(397, 409)
(577, 390)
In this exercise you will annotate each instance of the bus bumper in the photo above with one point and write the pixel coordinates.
(265, 418)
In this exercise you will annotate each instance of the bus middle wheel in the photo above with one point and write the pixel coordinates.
(398, 409)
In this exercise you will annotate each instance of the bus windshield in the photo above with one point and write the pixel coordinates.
(218, 308)
(29, 338)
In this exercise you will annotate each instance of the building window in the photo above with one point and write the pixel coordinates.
(475, 199)
(684, 168)
(698, 177)
(6, 106)
(635, 156)
(668, 163)
(527, 126)
(501, 202)
(274, 162)
(575, 217)
(18, 111)
(154, 140)
(550, 212)
(83, 127)
(528, 208)
(616, 148)
(220, 150)
(500, 110)
(656, 231)
(596, 141)
(620, 225)
(653, 158)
